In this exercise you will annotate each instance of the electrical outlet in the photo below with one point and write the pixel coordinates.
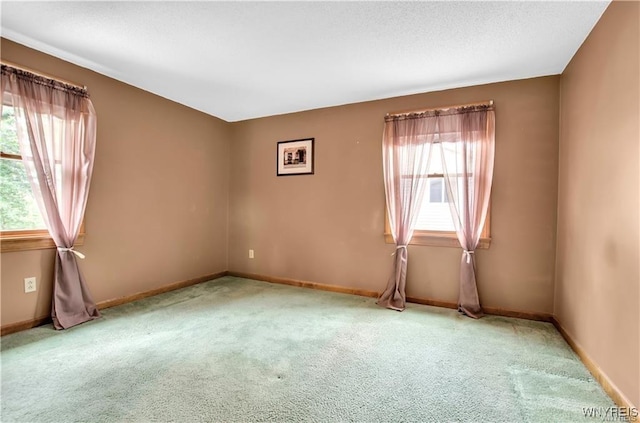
(29, 284)
(250, 253)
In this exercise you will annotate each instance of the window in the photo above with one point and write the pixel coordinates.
(435, 224)
(21, 224)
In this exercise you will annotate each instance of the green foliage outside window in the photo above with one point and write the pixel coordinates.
(18, 209)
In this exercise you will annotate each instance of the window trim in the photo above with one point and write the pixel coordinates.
(39, 239)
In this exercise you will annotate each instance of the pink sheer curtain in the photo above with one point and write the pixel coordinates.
(57, 136)
(468, 148)
(406, 151)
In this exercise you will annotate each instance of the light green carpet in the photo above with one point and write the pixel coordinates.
(238, 350)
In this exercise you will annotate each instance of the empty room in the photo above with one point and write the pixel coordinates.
(320, 211)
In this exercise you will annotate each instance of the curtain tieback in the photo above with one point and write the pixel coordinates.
(77, 253)
(468, 254)
(397, 248)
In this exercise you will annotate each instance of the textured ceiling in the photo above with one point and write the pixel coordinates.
(241, 60)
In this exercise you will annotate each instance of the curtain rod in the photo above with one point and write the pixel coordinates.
(44, 75)
(406, 112)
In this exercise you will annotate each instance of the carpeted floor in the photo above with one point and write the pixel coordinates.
(238, 350)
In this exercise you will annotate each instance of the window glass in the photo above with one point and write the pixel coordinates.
(435, 216)
(435, 162)
(9, 139)
(18, 207)
(435, 190)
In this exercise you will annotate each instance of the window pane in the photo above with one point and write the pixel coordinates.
(435, 166)
(445, 191)
(451, 152)
(435, 190)
(435, 216)
(18, 208)
(8, 136)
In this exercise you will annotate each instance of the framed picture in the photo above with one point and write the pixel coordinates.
(295, 157)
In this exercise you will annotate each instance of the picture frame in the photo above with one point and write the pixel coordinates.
(295, 157)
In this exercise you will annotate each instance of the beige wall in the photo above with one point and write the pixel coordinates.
(328, 227)
(157, 210)
(598, 276)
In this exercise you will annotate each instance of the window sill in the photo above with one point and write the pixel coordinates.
(443, 239)
(37, 240)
